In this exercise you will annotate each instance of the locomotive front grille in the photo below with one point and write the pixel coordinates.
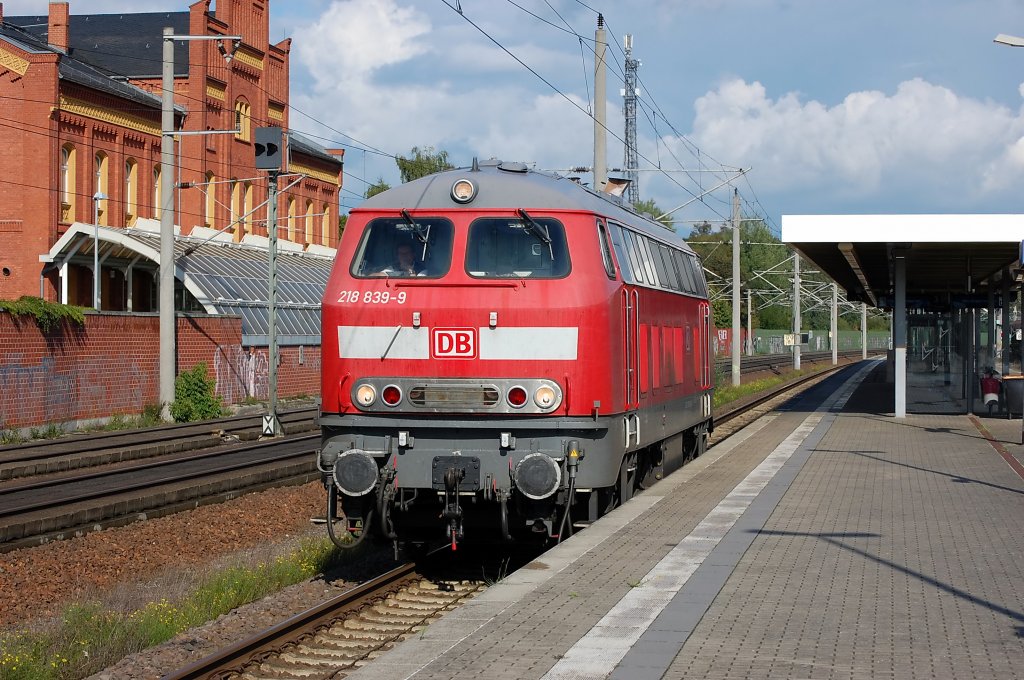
(454, 396)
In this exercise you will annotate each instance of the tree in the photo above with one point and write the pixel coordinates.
(422, 162)
(377, 187)
(342, 221)
(649, 208)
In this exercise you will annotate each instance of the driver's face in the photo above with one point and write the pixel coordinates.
(405, 255)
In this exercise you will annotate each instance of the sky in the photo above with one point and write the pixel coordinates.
(830, 106)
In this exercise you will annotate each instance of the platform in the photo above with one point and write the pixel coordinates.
(826, 540)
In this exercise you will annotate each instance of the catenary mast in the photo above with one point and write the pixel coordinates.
(630, 92)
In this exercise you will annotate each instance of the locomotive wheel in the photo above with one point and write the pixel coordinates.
(694, 443)
(627, 477)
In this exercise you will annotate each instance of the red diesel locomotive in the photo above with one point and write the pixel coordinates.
(506, 353)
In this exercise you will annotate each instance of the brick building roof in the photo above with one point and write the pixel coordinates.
(71, 68)
(126, 44)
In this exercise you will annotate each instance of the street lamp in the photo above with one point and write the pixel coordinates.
(1011, 40)
(96, 198)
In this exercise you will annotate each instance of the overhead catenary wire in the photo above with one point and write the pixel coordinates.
(562, 94)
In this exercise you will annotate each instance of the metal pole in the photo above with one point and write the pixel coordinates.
(863, 330)
(834, 327)
(1005, 354)
(272, 332)
(796, 311)
(96, 252)
(750, 325)
(600, 131)
(168, 350)
(899, 333)
(735, 287)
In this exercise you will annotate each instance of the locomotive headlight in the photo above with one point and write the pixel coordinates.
(544, 397)
(463, 191)
(366, 395)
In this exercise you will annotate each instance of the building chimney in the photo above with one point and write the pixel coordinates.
(59, 34)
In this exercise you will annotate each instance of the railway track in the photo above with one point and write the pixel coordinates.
(70, 504)
(77, 451)
(341, 634)
(328, 641)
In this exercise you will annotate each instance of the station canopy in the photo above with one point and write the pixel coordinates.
(950, 259)
(224, 277)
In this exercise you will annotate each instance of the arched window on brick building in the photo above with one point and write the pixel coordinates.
(325, 226)
(101, 186)
(236, 204)
(246, 224)
(156, 193)
(242, 120)
(68, 189)
(210, 204)
(309, 221)
(291, 218)
(131, 192)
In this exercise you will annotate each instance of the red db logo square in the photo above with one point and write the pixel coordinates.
(453, 343)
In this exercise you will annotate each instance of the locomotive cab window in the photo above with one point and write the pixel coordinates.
(524, 246)
(606, 251)
(404, 247)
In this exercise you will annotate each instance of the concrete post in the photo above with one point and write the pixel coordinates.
(735, 287)
(168, 348)
(796, 311)
(834, 326)
(899, 333)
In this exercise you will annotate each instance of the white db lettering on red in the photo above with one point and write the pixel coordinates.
(454, 343)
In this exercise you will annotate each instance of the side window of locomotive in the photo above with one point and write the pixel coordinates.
(394, 247)
(671, 279)
(698, 275)
(646, 259)
(510, 247)
(606, 251)
(619, 241)
(659, 263)
(635, 263)
(685, 272)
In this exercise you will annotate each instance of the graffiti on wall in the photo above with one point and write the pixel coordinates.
(38, 391)
(241, 373)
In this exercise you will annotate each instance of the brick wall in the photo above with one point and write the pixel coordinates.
(111, 366)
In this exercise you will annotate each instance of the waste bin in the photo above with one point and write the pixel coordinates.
(1013, 389)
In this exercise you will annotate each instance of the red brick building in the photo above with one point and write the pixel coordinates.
(80, 133)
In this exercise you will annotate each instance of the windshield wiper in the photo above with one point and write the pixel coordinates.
(538, 230)
(422, 234)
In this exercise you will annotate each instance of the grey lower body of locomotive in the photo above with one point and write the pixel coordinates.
(528, 461)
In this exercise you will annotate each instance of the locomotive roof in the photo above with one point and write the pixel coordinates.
(510, 186)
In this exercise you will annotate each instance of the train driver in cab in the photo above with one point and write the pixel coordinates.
(404, 264)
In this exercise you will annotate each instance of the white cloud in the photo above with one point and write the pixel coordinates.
(923, 136)
(466, 97)
(352, 40)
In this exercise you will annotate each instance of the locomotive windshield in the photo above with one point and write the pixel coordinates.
(528, 247)
(404, 246)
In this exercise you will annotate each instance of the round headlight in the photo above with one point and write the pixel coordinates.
(544, 397)
(366, 395)
(463, 191)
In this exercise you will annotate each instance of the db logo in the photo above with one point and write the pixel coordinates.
(454, 343)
